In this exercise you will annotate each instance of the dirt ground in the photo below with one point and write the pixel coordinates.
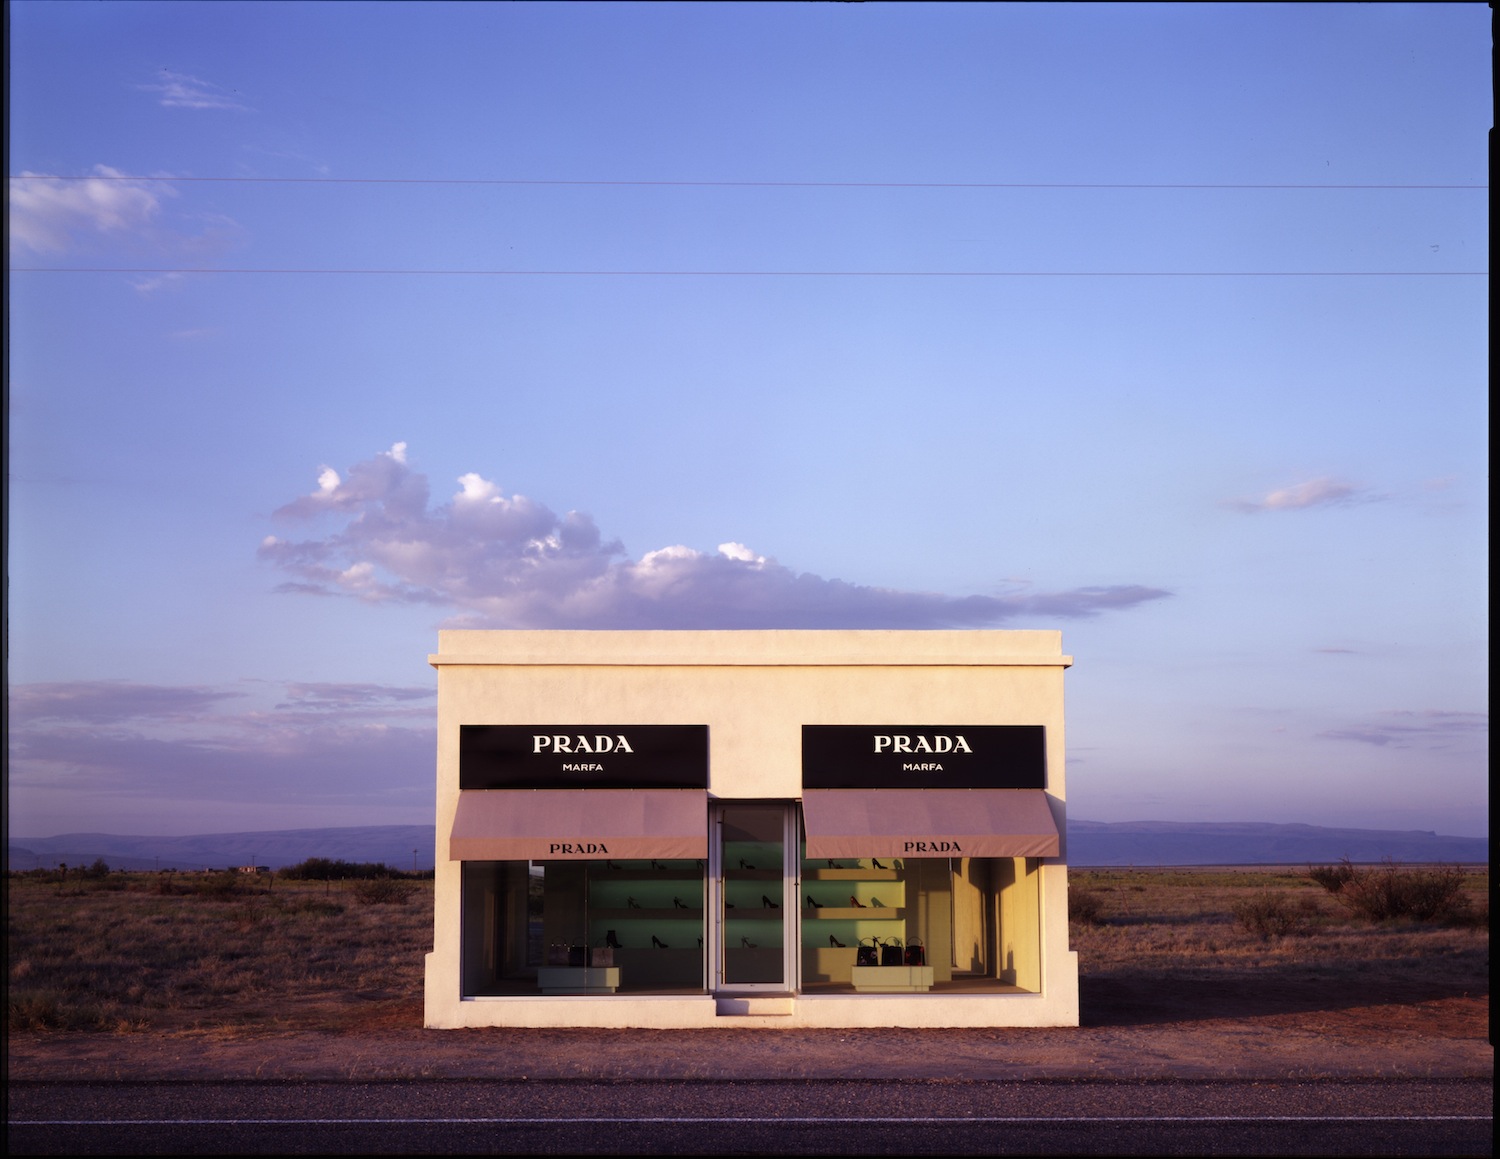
(1185, 1031)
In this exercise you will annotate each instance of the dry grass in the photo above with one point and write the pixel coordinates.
(1165, 943)
(118, 954)
(211, 952)
(1182, 916)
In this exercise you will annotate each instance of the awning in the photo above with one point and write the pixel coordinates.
(579, 824)
(929, 823)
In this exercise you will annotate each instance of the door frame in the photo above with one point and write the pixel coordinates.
(791, 884)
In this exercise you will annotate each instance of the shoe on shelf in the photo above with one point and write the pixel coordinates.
(745, 864)
(855, 902)
(747, 943)
(658, 943)
(678, 904)
(833, 941)
(611, 941)
(875, 861)
(631, 903)
(768, 903)
(811, 904)
(876, 903)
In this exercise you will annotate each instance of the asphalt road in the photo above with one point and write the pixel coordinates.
(815, 1117)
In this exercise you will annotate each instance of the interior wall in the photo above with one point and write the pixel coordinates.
(564, 916)
(1004, 909)
(482, 893)
(1019, 905)
(970, 940)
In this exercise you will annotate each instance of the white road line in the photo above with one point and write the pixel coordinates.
(946, 1120)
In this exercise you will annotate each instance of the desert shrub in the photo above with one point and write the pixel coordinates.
(38, 1010)
(1331, 877)
(215, 885)
(50, 1010)
(1085, 906)
(1392, 892)
(306, 904)
(325, 869)
(1272, 914)
(384, 890)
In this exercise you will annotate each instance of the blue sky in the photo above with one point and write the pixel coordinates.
(1162, 325)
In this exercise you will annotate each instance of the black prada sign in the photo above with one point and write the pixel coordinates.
(914, 756)
(574, 756)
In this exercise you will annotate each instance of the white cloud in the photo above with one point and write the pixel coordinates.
(1410, 728)
(52, 215)
(110, 211)
(740, 552)
(476, 489)
(149, 285)
(94, 701)
(346, 696)
(510, 562)
(244, 766)
(179, 91)
(1319, 492)
(154, 748)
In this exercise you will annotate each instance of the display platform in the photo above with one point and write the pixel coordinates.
(578, 979)
(890, 979)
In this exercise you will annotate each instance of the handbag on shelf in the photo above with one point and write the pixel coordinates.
(868, 955)
(891, 953)
(916, 954)
(578, 956)
(557, 954)
(602, 957)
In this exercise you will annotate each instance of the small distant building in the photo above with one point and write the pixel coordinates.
(255, 869)
(751, 828)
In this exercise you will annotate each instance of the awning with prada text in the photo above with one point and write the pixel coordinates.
(929, 823)
(579, 824)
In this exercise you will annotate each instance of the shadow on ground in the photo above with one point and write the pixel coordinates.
(1118, 998)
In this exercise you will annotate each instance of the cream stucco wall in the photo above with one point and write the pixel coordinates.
(754, 690)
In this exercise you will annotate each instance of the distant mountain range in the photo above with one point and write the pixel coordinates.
(1090, 843)
(1256, 843)
(399, 846)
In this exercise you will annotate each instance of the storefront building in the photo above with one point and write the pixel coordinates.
(751, 828)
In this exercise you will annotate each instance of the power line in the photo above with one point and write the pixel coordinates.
(523, 181)
(527, 273)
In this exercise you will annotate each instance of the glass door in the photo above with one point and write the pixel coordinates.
(756, 910)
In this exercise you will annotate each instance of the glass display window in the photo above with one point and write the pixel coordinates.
(934, 924)
(583, 927)
(837, 925)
